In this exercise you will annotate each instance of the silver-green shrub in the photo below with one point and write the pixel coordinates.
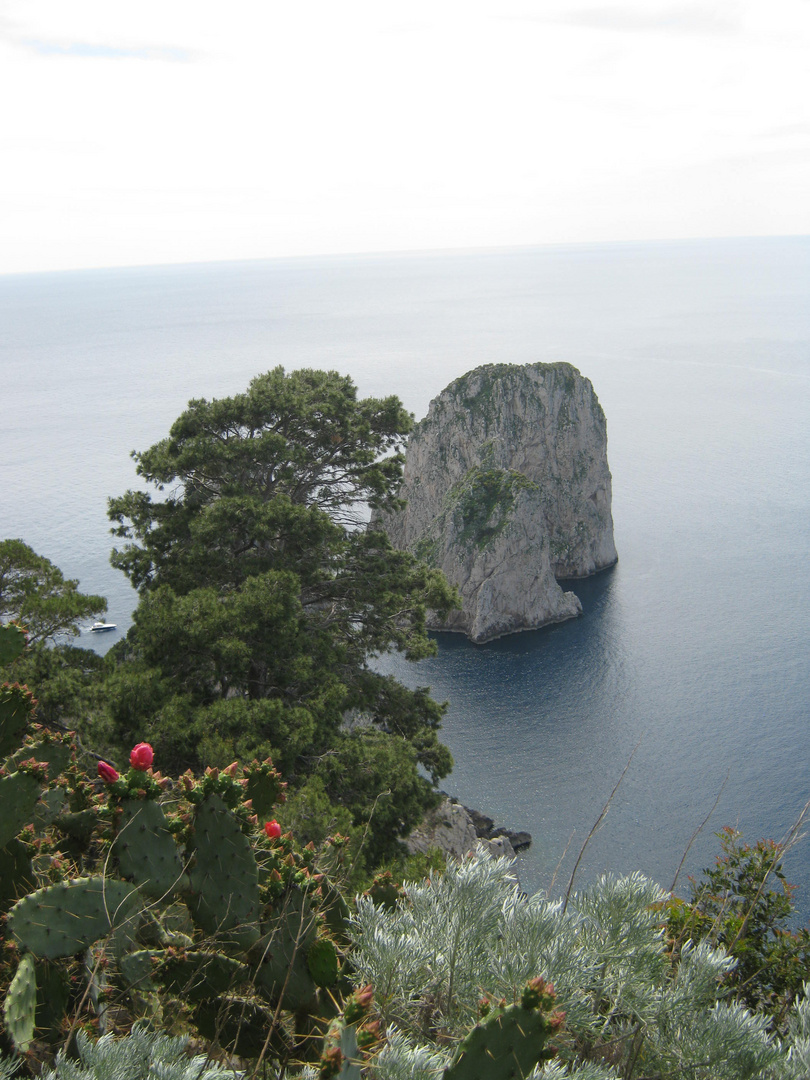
(630, 1013)
(141, 1055)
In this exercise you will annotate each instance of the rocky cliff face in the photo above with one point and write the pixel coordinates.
(508, 488)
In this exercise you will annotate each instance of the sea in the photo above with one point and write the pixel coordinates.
(679, 702)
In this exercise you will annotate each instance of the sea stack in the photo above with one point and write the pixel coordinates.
(507, 489)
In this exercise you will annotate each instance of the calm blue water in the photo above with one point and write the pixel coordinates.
(694, 648)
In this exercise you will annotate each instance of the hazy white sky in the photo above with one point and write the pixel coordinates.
(172, 131)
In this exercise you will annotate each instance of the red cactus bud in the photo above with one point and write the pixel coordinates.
(331, 1062)
(273, 829)
(142, 756)
(107, 772)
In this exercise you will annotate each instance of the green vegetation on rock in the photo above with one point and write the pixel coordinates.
(484, 499)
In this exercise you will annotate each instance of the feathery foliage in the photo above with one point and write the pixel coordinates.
(142, 1054)
(631, 1012)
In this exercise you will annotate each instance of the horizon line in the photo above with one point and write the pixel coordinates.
(478, 249)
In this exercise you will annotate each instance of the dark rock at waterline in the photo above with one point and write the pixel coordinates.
(518, 840)
(486, 829)
(482, 824)
(456, 830)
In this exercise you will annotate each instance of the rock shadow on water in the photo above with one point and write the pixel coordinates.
(534, 721)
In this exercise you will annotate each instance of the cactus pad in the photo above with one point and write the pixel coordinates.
(53, 999)
(62, 919)
(322, 961)
(241, 1026)
(334, 910)
(146, 850)
(79, 824)
(285, 944)
(198, 976)
(225, 878)
(20, 1007)
(137, 968)
(264, 787)
(349, 1036)
(19, 794)
(16, 712)
(384, 891)
(509, 1041)
(55, 752)
(16, 873)
(12, 642)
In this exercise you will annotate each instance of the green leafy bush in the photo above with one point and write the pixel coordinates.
(744, 905)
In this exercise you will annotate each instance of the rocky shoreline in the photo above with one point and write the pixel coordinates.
(457, 830)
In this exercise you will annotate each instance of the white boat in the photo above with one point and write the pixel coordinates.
(101, 627)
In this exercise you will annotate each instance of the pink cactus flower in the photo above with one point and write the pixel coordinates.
(142, 756)
(273, 829)
(107, 772)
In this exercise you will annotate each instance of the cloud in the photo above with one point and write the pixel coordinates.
(782, 130)
(89, 50)
(697, 18)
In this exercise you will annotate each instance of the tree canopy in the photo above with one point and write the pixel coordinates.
(35, 593)
(264, 596)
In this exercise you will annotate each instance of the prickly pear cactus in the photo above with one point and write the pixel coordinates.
(147, 851)
(351, 1036)
(16, 873)
(323, 963)
(384, 891)
(288, 934)
(13, 640)
(19, 794)
(16, 716)
(19, 1010)
(197, 975)
(52, 749)
(62, 919)
(151, 888)
(264, 788)
(225, 877)
(509, 1041)
(245, 1026)
(53, 1000)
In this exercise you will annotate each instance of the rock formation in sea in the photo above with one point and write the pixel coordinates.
(507, 489)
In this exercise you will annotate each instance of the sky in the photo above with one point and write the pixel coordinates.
(168, 131)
